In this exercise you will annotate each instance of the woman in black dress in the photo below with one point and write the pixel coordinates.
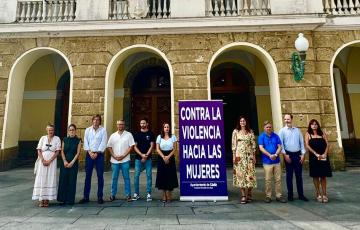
(70, 152)
(166, 177)
(319, 164)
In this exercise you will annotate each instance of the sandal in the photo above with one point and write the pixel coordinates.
(319, 198)
(249, 198)
(325, 199)
(163, 199)
(243, 200)
(46, 203)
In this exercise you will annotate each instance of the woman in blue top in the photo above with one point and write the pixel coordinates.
(166, 177)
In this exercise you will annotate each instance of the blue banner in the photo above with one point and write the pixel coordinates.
(202, 151)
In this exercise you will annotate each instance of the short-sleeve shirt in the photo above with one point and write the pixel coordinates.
(166, 145)
(270, 143)
(120, 144)
(143, 142)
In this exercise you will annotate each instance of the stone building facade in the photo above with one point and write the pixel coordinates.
(95, 64)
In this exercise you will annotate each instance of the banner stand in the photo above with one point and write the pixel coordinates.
(202, 151)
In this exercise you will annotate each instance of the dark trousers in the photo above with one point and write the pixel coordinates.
(294, 166)
(99, 165)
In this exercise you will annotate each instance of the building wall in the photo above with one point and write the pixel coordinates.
(353, 77)
(41, 82)
(190, 56)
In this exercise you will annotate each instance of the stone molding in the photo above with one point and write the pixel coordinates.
(170, 26)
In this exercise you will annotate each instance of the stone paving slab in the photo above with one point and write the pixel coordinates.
(152, 219)
(170, 210)
(133, 227)
(262, 225)
(122, 211)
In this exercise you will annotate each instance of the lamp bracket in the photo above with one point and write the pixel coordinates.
(297, 66)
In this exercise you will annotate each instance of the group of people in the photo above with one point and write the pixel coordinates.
(120, 145)
(290, 143)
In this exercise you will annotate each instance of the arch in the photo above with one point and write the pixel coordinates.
(15, 91)
(114, 64)
(138, 67)
(337, 52)
(272, 73)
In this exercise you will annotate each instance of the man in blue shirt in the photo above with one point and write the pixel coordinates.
(95, 140)
(270, 147)
(294, 152)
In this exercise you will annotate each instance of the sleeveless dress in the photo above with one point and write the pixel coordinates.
(318, 168)
(68, 176)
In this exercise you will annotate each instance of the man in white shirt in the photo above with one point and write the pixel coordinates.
(120, 145)
(94, 144)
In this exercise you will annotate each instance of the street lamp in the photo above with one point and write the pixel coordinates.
(298, 58)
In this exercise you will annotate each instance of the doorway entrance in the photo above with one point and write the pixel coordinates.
(150, 99)
(233, 84)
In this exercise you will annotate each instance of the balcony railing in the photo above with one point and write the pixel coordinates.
(122, 9)
(45, 10)
(342, 7)
(219, 8)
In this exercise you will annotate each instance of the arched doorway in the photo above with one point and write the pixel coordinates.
(133, 64)
(346, 82)
(37, 82)
(62, 105)
(244, 76)
(150, 99)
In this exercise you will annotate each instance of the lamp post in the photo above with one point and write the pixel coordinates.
(298, 58)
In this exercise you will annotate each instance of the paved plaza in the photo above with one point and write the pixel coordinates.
(18, 211)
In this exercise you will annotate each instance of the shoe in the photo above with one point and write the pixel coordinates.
(249, 198)
(290, 198)
(281, 199)
(129, 199)
(319, 198)
(267, 199)
(112, 198)
(136, 196)
(100, 201)
(243, 200)
(46, 203)
(41, 203)
(148, 197)
(325, 199)
(83, 201)
(303, 198)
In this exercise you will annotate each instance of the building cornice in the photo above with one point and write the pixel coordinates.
(341, 23)
(165, 26)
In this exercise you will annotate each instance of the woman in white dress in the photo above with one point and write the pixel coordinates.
(45, 188)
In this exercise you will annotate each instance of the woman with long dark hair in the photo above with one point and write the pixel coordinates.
(244, 149)
(70, 152)
(319, 165)
(166, 177)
